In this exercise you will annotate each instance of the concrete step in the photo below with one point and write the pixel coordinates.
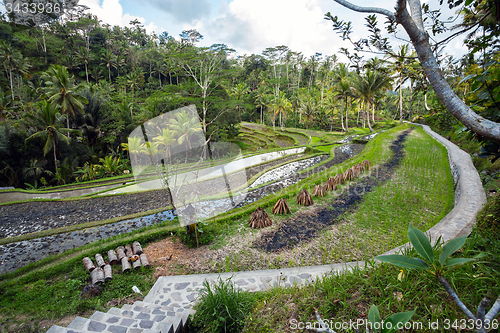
(183, 313)
(107, 323)
(154, 315)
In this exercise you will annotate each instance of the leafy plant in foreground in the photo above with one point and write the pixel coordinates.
(438, 268)
(222, 307)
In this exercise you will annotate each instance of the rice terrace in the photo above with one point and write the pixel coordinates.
(151, 184)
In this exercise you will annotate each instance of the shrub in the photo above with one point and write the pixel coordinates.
(222, 307)
(488, 219)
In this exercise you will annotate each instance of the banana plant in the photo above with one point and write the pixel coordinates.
(440, 265)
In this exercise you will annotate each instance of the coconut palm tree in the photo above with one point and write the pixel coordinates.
(84, 56)
(280, 105)
(165, 141)
(261, 99)
(35, 170)
(109, 60)
(11, 59)
(134, 146)
(238, 92)
(366, 86)
(49, 122)
(184, 127)
(63, 92)
(403, 60)
(307, 107)
(341, 87)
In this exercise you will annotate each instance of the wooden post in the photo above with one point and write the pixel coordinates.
(89, 265)
(136, 247)
(97, 275)
(120, 251)
(99, 260)
(125, 265)
(128, 250)
(107, 272)
(144, 261)
(112, 258)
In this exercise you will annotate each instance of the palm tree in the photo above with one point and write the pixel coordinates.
(308, 108)
(5, 105)
(62, 91)
(35, 170)
(402, 60)
(281, 105)
(49, 122)
(11, 59)
(165, 140)
(366, 86)
(185, 126)
(342, 88)
(238, 92)
(108, 59)
(84, 56)
(134, 80)
(134, 146)
(96, 74)
(118, 63)
(261, 100)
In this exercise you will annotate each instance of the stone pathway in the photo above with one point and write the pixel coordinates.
(169, 304)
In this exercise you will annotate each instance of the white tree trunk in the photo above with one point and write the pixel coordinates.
(420, 40)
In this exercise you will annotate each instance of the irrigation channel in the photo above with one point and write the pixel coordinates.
(18, 254)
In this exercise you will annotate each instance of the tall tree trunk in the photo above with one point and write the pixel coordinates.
(55, 159)
(346, 120)
(425, 102)
(11, 85)
(86, 73)
(368, 116)
(400, 98)
(342, 116)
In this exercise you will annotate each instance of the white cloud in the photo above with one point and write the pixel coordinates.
(182, 10)
(111, 12)
(251, 26)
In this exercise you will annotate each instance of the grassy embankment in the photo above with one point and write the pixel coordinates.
(57, 272)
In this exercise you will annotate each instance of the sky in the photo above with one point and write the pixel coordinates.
(250, 26)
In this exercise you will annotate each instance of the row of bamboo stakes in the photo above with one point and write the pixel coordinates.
(260, 219)
(124, 255)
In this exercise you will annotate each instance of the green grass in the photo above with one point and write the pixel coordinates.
(223, 307)
(55, 270)
(326, 149)
(348, 296)
(56, 297)
(421, 192)
(315, 140)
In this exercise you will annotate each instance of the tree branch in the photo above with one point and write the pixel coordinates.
(455, 297)
(493, 311)
(360, 9)
(481, 309)
(416, 13)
